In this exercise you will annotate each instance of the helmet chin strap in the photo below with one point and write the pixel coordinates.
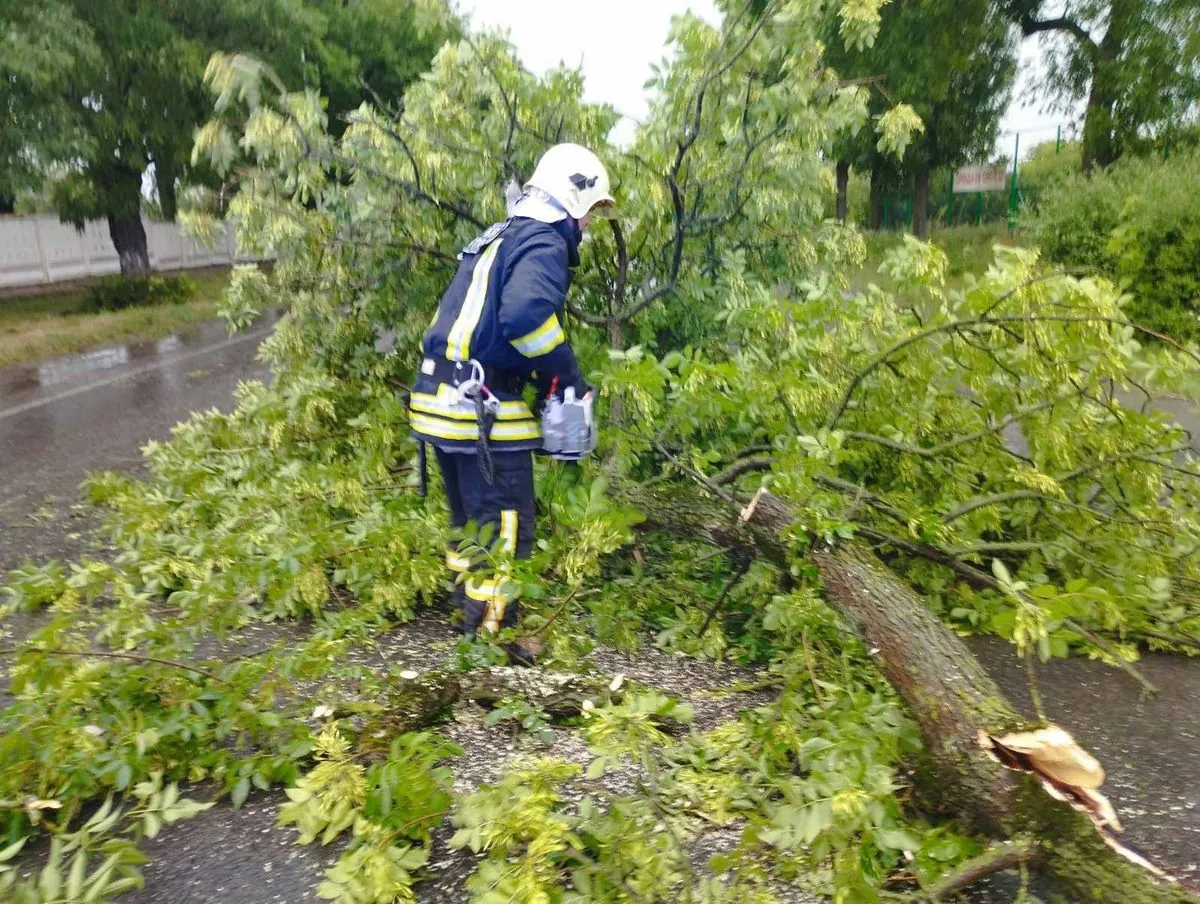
(557, 205)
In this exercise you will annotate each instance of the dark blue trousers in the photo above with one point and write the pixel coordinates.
(488, 598)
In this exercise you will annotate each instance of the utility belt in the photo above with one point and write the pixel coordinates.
(456, 373)
(468, 389)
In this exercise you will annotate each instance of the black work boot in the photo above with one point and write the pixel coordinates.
(523, 651)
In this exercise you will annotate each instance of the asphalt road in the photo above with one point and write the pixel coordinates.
(64, 418)
(68, 416)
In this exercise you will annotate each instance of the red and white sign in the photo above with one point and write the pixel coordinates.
(971, 179)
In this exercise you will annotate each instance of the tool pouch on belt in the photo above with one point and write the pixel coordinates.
(486, 410)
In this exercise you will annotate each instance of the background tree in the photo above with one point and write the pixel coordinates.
(41, 46)
(128, 94)
(1136, 61)
(954, 63)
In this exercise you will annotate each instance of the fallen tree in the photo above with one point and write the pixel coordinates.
(952, 429)
(1044, 805)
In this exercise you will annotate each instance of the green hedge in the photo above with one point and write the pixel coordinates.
(114, 293)
(1139, 223)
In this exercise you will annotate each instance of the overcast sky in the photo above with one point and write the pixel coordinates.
(615, 42)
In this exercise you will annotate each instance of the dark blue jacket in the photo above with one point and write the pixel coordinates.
(504, 310)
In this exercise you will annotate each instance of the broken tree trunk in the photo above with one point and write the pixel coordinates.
(960, 710)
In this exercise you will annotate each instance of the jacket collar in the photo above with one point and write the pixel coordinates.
(569, 229)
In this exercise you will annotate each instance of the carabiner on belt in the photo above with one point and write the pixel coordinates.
(487, 409)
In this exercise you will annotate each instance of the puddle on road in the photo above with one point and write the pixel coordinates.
(70, 368)
(28, 380)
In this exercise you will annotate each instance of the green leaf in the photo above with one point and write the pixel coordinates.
(152, 824)
(50, 881)
(240, 792)
(12, 850)
(1000, 570)
(897, 840)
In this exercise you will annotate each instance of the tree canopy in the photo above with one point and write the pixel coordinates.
(954, 63)
(1137, 63)
(108, 90)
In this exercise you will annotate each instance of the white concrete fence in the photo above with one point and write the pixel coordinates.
(39, 251)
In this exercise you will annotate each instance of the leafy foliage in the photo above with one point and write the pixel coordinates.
(392, 808)
(731, 354)
(1133, 222)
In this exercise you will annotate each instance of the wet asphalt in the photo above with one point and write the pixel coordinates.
(68, 416)
(63, 418)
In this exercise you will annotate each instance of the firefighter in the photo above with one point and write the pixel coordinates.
(499, 328)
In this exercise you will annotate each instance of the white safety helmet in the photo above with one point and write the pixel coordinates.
(574, 177)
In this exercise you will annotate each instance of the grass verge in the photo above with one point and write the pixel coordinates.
(969, 249)
(43, 326)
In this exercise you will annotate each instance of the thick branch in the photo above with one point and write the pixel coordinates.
(986, 323)
(737, 469)
(622, 264)
(941, 448)
(1030, 25)
(992, 861)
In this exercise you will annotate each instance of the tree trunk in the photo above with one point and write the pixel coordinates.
(124, 212)
(843, 190)
(947, 691)
(920, 211)
(164, 181)
(1098, 145)
(1101, 143)
(616, 341)
(129, 238)
(876, 215)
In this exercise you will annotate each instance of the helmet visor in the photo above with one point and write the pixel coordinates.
(604, 209)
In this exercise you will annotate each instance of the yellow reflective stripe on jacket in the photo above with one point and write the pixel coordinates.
(444, 428)
(431, 404)
(457, 562)
(458, 343)
(508, 530)
(544, 339)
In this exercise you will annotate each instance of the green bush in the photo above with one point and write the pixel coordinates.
(1048, 164)
(1137, 223)
(115, 293)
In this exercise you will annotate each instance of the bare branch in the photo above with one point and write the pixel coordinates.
(862, 494)
(107, 654)
(991, 861)
(690, 135)
(1031, 25)
(1100, 644)
(716, 607)
(622, 263)
(592, 319)
(745, 466)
